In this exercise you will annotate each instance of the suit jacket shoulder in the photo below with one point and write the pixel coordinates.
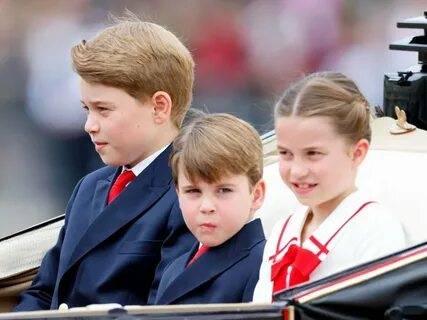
(130, 240)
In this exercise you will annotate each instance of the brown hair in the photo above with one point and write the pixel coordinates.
(331, 95)
(217, 145)
(140, 58)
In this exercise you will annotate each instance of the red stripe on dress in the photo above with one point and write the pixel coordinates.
(352, 216)
(321, 247)
(280, 240)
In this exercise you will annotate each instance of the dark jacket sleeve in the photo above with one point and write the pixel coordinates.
(39, 295)
(250, 287)
(178, 241)
(254, 276)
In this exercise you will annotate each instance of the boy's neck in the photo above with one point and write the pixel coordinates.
(163, 139)
(140, 166)
(166, 136)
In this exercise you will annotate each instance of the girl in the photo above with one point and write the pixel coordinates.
(323, 134)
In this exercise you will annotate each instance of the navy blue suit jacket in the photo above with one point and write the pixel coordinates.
(116, 252)
(225, 274)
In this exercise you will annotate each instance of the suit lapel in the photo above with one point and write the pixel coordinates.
(214, 262)
(100, 194)
(133, 202)
(98, 204)
(176, 269)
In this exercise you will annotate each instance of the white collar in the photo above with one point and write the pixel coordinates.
(328, 227)
(140, 166)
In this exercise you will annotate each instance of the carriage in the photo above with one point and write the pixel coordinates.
(392, 287)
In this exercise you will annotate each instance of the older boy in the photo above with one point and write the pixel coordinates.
(123, 223)
(217, 170)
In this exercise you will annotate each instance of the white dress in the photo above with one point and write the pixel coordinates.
(357, 231)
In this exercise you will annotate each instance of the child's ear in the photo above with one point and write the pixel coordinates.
(162, 106)
(360, 149)
(259, 194)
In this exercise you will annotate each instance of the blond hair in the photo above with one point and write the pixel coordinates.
(331, 95)
(140, 58)
(217, 145)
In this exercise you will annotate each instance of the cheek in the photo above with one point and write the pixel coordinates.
(237, 212)
(283, 169)
(187, 208)
(334, 171)
(115, 131)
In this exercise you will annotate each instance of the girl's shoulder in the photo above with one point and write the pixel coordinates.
(377, 227)
(376, 216)
(372, 212)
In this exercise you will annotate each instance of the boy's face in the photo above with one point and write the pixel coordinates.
(121, 127)
(214, 212)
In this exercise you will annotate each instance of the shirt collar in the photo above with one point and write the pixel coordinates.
(140, 166)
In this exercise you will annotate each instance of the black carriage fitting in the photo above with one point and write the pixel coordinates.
(408, 89)
(415, 312)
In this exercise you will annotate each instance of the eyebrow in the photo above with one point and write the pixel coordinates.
(226, 185)
(222, 185)
(315, 146)
(98, 103)
(187, 186)
(281, 147)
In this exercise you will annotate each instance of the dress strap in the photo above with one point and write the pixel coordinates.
(347, 221)
(321, 249)
(278, 250)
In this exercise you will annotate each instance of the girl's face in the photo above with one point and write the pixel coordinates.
(317, 164)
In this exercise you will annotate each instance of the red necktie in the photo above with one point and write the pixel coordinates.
(122, 180)
(199, 252)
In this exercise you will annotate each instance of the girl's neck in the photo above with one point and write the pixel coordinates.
(323, 210)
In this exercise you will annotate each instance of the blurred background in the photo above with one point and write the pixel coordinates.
(246, 53)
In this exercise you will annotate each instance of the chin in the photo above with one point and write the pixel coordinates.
(306, 202)
(112, 162)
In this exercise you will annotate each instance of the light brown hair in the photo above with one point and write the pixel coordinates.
(331, 95)
(140, 58)
(217, 145)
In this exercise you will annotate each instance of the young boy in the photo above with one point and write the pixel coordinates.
(217, 167)
(123, 224)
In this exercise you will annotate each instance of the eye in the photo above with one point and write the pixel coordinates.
(314, 154)
(85, 108)
(285, 154)
(224, 190)
(103, 110)
(192, 191)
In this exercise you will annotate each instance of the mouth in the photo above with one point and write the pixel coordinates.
(303, 188)
(207, 227)
(99, 145)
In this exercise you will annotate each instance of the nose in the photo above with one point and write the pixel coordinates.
(91, 125)
(298, 170)
(207, 205)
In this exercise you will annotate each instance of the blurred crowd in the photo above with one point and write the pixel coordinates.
(246, 53)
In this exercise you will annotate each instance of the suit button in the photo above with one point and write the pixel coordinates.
(63, 306)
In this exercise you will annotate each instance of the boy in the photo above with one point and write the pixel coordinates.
(123, 224)
(217, 165)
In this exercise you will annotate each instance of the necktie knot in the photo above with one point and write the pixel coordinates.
(203, 249)
(121, 182)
